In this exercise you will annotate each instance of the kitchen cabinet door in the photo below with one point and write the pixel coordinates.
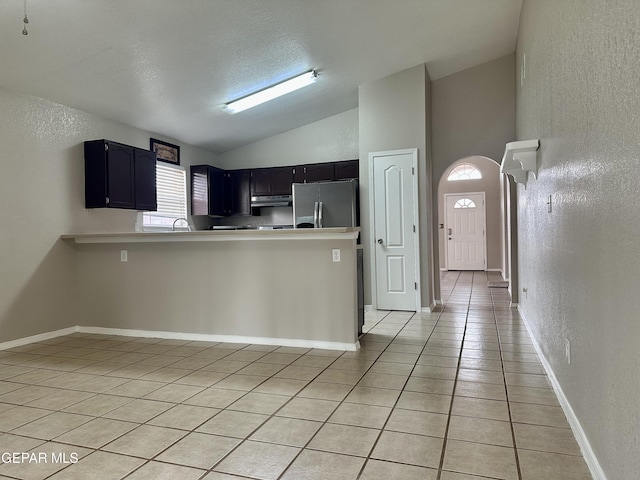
(261, 181)
(281, 180)
(119, 176)
(298, 174)
(239, 192)
(217, 201)
(145, 180)
(347, 170)
(208, 191)
(319, 172)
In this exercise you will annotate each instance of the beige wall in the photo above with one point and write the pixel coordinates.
(580, 263)
(42, 194)
(331, 139)
(490, 185)
(394, 116)
(246, 288)
(473, 114)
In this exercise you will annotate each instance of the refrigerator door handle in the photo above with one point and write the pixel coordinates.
(320, 215)
(315, 215)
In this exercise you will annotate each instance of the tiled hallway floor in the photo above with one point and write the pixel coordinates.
(457, 394)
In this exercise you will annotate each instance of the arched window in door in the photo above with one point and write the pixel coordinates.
(465, 203)
(464, 171)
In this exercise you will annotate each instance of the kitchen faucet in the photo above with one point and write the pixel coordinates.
(173, 227)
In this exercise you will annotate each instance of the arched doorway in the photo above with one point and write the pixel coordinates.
(476, 175)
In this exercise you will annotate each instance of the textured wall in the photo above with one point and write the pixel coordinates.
(581, 263)
(42, 194)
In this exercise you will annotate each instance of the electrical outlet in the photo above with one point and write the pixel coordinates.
(123, 255)
(567, 350)
(336, 254)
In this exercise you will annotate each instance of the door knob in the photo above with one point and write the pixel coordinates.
(380, 241)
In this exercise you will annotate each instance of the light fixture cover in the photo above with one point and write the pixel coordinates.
(271, 92)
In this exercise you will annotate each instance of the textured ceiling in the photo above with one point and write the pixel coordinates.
(167, 66)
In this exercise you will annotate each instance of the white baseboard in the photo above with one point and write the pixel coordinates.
(283, 342)
(37, 338)
(368, 308)
(585, 447)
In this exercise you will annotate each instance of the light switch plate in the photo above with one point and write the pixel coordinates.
(123, 255)
(336, 254)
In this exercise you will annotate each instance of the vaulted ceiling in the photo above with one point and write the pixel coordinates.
(167, 66)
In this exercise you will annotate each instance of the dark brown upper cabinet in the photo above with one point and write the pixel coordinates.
(119, 176)
(261, 181)
(238, 192)
(208, 191)
(281, 180)
(271, 181)
(319, 172)
(347, 170)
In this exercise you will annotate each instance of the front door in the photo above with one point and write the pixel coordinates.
(465, 231)
(395, 222)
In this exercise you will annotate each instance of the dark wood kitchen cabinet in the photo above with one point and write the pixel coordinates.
(347, 170)
(238, 192)
(208, 191)
(315, 172)
(261, 181)
(281, 180)
(119, 176)
(319, 172)
(271, 181)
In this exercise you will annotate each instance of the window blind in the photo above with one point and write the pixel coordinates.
(171, 187)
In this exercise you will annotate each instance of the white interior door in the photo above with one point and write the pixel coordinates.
(394, 238)
(465, 231)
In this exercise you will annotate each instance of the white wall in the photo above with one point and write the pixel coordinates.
(393, 116)
(328, 140)
(42, 197)
(581, 262)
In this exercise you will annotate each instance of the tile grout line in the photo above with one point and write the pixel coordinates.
(506, 390)
(455, 381)
(375, 443)
(339, 403)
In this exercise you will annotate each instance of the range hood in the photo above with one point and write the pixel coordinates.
(271, 201)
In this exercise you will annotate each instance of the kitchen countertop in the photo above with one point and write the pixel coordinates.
(338, 233)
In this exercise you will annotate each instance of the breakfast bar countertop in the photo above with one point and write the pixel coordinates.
(336, 233)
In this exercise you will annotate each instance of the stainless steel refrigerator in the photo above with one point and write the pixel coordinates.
(326, 204)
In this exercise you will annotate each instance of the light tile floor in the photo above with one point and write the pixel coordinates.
(457, 394)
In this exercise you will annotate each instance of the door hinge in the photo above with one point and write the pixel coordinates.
(106, 147)
(414, 229)
(413, 171)
(415, 286)
(107, 200)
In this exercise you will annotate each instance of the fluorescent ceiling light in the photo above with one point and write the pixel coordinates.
(271, 92)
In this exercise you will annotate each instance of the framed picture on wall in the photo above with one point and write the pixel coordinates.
(165, 152)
